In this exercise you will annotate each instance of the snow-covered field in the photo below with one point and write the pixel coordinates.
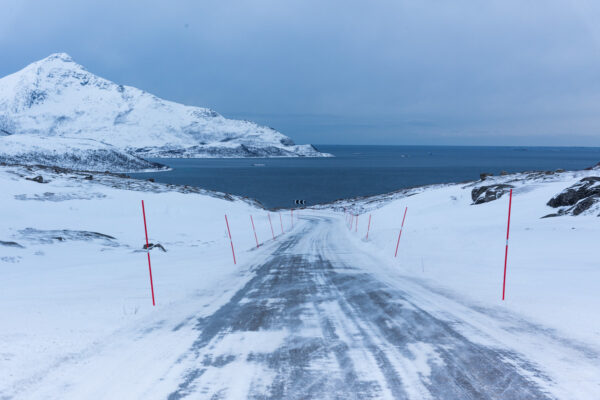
(78, 321)
(64, 294)
(552, 272)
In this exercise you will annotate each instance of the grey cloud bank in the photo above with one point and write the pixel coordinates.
(386, 72)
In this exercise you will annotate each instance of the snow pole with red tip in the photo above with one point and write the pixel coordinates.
(254, 229)
(400, 233)
(148, 251)
(270, 223)
(369, 227)
(281, 222)
(230, 239)
(506, 248)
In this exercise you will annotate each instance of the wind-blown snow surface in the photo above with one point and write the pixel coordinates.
(77, 319)
(65, 287)
(56, 97)
(447, 240)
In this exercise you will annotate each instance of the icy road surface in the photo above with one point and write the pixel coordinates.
(320, 318)
(313, 324)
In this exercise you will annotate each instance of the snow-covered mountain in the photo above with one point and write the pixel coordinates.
(71, 153)
(58, 98)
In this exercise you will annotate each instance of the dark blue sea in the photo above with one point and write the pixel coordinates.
(363, 170)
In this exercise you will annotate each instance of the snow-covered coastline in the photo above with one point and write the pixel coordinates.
(57, 99)
(76, 295)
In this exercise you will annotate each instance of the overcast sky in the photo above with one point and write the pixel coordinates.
(502, 72)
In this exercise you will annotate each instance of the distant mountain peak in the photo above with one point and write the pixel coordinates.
(55, 61)
(58, 57)
(56, 97)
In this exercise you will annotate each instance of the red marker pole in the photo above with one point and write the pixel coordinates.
(230, 239)
(254, 229)
(292, 218)
(270, 223)
(506, 249)
(281, 222)
(369, 227)
(356, 226)
(400, 234)
(148, 251)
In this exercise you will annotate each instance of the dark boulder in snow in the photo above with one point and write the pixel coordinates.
(151, 246)
(38, 179)
(578, 198)
(10, 244)
(485, 194)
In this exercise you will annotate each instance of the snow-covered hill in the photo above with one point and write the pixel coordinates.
(71, 153)
(56, 97)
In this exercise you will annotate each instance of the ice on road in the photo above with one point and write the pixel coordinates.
(310, 324)
(315, 314)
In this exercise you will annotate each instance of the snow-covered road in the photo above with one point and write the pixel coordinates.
(313, 315)
(318, 325)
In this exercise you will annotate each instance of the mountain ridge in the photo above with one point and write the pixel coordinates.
(56, 97)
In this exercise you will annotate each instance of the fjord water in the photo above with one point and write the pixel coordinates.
(363, 170)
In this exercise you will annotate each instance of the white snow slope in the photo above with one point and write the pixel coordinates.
(77, 319)
(447, 240)
(56, 97)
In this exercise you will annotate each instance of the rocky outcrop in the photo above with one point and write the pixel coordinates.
(485, 194)
(38, 179)
(10, 244)
(151, 246)
(63, 235)
(578, 198)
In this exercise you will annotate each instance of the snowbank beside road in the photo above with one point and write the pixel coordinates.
(459, 246)
(74, 278)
